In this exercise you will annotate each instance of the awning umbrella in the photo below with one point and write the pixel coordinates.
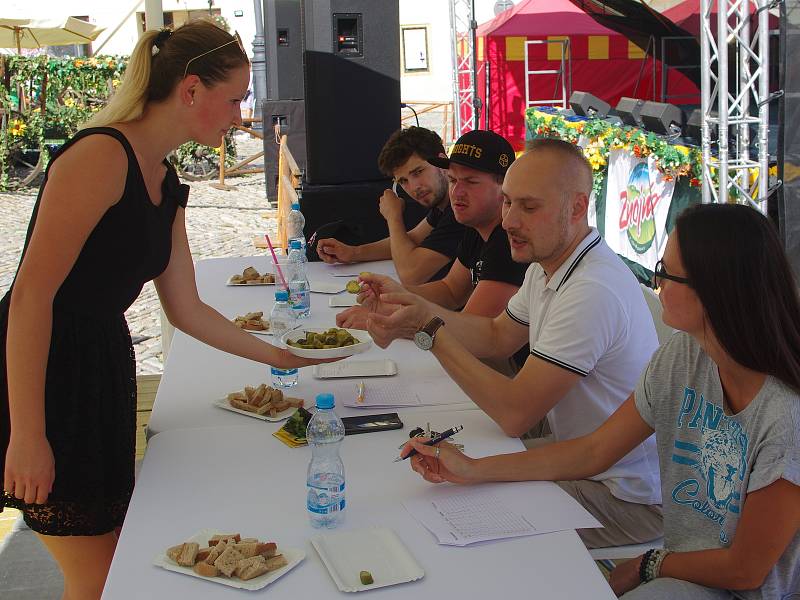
(37, 33)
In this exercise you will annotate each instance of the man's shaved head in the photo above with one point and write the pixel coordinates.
(574, 169)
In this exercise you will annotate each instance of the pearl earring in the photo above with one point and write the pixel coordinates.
(192, 102)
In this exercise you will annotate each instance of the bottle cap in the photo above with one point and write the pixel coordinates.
(295, 206)
(325, 401)
(281, 296)
(295, 245)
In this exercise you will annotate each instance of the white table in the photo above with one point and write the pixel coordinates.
(244, 480)
(195, 374)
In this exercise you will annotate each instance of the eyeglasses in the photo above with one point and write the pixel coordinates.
(236, 40)
(661, 273)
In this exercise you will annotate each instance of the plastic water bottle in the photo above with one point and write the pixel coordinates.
(299, 286)
(325, 480)
(295, 223)
(282, 319)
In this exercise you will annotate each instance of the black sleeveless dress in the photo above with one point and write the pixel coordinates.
(90, 386)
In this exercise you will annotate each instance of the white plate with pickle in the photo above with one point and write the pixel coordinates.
(326, 343)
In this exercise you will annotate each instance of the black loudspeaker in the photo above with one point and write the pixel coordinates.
(629, 110)
(587, 105)
(351, 69)
(354, 204)
(694, 126)
(665, 119)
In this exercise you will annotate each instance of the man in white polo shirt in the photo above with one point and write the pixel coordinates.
(589, 328)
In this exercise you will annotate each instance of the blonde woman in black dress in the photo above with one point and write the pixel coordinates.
(109, 217)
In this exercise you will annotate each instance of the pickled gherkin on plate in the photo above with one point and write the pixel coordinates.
(366, 578)
(332, 338)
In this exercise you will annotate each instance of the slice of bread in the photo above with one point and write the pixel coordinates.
(228, 561)
(174, 552)
(216, 551)
(188, 554)
(225, 537)
(243, 405)
(267, 550)
(203, 553)
(205, 570)
(248, 550)
(251, 568)
(276, 562)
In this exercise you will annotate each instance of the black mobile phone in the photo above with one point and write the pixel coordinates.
(368, 423)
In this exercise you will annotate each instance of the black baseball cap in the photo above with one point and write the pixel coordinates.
(481, 150)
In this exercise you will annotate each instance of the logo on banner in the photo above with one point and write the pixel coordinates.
(638, 203)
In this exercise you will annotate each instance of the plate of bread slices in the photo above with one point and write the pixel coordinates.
(262, 402)
(254, 322)
(251, 276)
(230, 559)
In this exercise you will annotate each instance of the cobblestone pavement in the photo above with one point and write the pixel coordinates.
(219, 224)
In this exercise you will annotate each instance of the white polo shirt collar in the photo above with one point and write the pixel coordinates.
(568, 267)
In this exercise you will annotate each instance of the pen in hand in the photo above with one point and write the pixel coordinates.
(432, 442)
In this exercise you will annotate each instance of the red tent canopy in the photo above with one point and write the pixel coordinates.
(602, 61)
(687, 15)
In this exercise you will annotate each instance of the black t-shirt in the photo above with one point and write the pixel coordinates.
(445, 237)
(491, 260)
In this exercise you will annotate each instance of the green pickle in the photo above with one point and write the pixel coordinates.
(353, 286)
(366, 577)
(332, 338)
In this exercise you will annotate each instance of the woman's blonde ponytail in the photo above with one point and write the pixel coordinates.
(127, 102)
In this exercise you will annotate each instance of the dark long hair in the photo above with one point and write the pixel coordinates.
(737, 267)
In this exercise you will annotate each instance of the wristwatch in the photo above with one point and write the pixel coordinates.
(424, 337)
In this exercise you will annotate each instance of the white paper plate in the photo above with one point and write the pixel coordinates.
(230, 283)
(343, 300)
(355, 368)
(284, 414)
(293, 555)
(365, 342)
(325, 287)
(377, 550)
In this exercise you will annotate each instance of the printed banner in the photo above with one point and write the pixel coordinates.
(637, 203)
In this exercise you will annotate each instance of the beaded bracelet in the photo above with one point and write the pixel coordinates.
(650, 567)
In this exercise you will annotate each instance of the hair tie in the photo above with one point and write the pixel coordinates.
(160, 39)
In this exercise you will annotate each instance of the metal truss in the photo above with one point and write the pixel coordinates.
(735, 98)
(467, 104)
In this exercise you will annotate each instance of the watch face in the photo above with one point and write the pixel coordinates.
(423, 340)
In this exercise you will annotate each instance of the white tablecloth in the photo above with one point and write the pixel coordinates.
(240, 479)
(195, 374)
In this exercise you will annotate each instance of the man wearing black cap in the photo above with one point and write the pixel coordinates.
(427, 251)
(484, 276)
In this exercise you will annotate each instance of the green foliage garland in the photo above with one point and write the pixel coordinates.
(673, 161)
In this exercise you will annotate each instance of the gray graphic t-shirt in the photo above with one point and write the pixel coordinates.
(710, 460)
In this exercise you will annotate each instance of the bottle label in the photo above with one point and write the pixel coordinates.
(326, 494)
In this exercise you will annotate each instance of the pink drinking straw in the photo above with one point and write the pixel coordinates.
(277, 266)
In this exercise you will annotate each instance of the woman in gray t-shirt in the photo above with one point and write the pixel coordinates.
(723, 398)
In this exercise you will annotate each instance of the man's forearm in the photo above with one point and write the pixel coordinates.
(380, 250)
(438, 293)
(402, 248)
(498, 396)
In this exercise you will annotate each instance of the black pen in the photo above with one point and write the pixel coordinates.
(433, 441)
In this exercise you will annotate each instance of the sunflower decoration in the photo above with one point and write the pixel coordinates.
(16, 128)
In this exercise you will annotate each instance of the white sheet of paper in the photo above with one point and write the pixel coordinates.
(343, 300)
(385, 396)
(459, 516)
(326, 287)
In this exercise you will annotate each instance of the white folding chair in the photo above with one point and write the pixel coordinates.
(654, 304)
